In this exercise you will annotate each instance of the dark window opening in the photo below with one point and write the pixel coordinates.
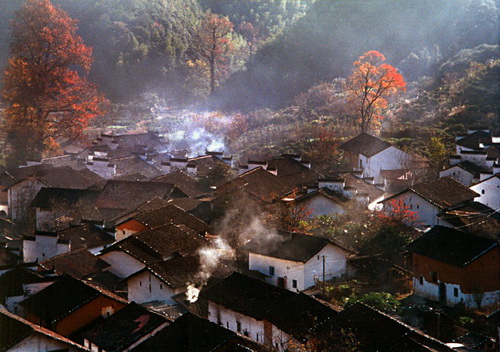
(294, 283)
(455, 292)
(238, 326)
(421, 280)
(271, 270)
(434, 276)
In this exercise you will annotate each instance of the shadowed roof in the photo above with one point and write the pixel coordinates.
(14, 330)
(171, 214)
(190, 333)
(79, 264)
(451, 246)
(62, 298)
(365, 144)
(124, 328)
(443, 192)
(288, 246)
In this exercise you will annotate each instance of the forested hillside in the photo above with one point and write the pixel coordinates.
(277, 77)
(415, 36)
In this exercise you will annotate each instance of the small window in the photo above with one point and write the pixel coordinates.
(161, 287)
(227, 324)
(245, 333)
(421, 280)
(483, 191)
(238, 326)
(455, 292)
(271, 270)
(140, 283)
(418, 206)
(411, 206)
(318, 256)
(294, 283)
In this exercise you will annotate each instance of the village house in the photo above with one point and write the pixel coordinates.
(22, 193)
(428, 199)
(70, 304)
(19, 283)
(79, 264)
(184, 182)
(162, 281)
(157, 217)
(258, 183)
(119, 198)
(456, 267)
(374, 330)
(43, 245)
(371, 155)
(19, 335)
(192, 333)
(142, 249)
(464, 172)
(59, 208)
(316, 203)
(265, 313)
(488, 191)
(295, 261)
(123, 330)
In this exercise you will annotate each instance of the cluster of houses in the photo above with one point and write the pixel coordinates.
(116, 247)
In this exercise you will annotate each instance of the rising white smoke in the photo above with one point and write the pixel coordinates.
(210, 259)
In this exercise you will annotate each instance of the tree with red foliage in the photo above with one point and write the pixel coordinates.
(251, 35)
(214, 44)
(372, 81)
(45, 89)
(398, 213)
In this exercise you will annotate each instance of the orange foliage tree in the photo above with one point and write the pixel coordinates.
(214, 44)
(370, 84)
(46, 93)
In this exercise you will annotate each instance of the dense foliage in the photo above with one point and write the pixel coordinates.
(45, 90)
(326, 41)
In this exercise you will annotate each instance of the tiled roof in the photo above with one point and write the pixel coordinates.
(11, 282)
(13, 330)
(185, 183)
(296, 314)
(473, 140)
(257, 182)
(287, 166)
(46, 198)
(362, 186)
(156, 245)
(470, 167)
(132, 165)
(130, 194)
(325, 192)
(365, 144)
(180, 271)
(66, 177)
(288, 246)
(171, 214)
(236, 291)
(190, 333)
(11, 176)
(451, 246)
(86, 236)
(79, 264)
(124, 328)
(443, 192)
(62, 298)
(376, 331)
